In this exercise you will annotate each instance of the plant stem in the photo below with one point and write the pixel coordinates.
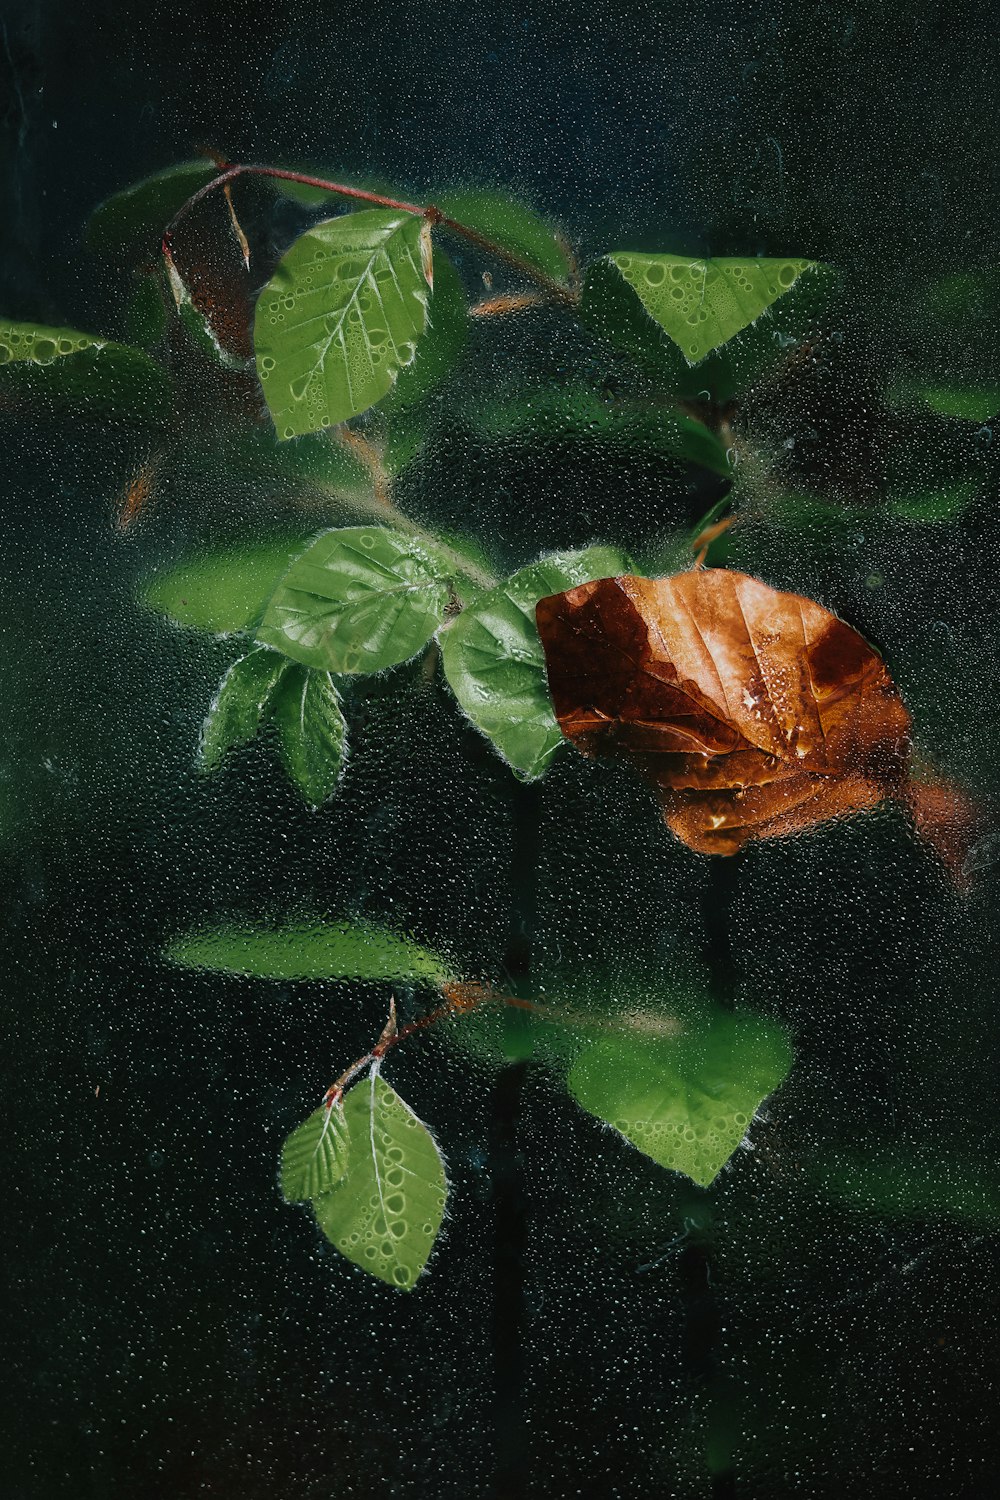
(510, 1241)
(717, 899)
(382, 505)
(460, 997)
(506, 1168)
(556, 290)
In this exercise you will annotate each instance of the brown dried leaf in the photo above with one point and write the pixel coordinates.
(754, 713)
(215, 279)
(947, 818)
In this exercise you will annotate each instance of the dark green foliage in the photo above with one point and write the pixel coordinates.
(729, 373)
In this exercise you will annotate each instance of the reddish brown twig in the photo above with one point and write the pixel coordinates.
(501, 307)
(558, 291)
(462, 996)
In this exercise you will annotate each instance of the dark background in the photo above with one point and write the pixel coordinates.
(170, 1329)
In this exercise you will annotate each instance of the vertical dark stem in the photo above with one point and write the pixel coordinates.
(700, 1344)
(703, 1328)
(527, 812)
(717, 903)
(701, 1356)
(506, 1170)
(510, 1232)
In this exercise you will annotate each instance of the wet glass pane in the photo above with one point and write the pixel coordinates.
(454, 1049)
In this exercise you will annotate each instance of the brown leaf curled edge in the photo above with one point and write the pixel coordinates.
(754, 713)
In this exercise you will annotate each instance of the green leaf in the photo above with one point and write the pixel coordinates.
(899, 1183)
(221, 590)
(311, 731)
(137, 216)
(315, 1157)
(340, 318)
(493, 658)
(441, 346)
(686, 1102)
(310, 949)
(385, 1213)
(509, 223)
(238, 707)
(970, 403)
(702, 304)
(64, 365)
(579, 414)
(145, 319)
(930, 506)
(360, 599)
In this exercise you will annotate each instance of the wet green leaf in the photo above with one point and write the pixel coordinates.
(685, 1101)
(360, 599)
(385, 1213)
(136, 217)
(614, 313)
(441, 346)
(579, 414)
(309, 949)
(930, 506)
(145, 312)
(702, 304)
(63, 365)
(896, 1183)
(312, 732)
(970, 403)
(221, 590)
(494, 663)
(239, 705)
(315, 1157)
(340, 319)
(505, 221)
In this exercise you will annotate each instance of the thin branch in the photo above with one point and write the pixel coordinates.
(461, 997)
(503, 306)
(368, 455)
(381, 504)
(557, 290)
(701, 543)
(233, 170)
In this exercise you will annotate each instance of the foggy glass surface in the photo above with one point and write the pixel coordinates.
(819, 1322)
